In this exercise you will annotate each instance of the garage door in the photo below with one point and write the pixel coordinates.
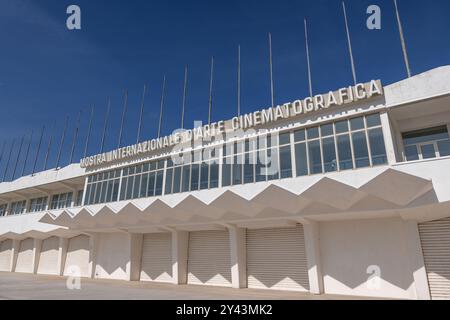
(435, 237)
(78, 256)
(25, 256)
(48, 262)
(5, 255)
(157, 257)
(276, 259)
(209, 258)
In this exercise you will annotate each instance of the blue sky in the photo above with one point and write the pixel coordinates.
(48, 72)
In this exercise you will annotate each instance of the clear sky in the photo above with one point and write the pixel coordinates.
(48, 72)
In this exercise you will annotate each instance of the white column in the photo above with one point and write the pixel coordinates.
(388, 138)
(134, 267)
(180, 245)
(415, 254)
(62, 254)
(312, 247)
(93, 246)
(8, 209)
(14, 251)
(36, 254)
(238, 256)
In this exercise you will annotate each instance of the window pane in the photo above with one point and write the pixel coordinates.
(115, 190)
(195, 174)
(204, 176)
(301, 160)
(329, 155)
(237, 170)
(159, 182)
(377, 147)
(226, 172)
(326, 130)
(411, 153)
(345, 152)
(249, 166)
(136, 188)
(357, 123)
(444, 148)
(88, 194)
(273, 169)
(428, 151)
(285, 138)
(341, 126)
(144, 182)
(177, 180)
(168, 187)
(186, 178)
(151, 184)
(260, 168)
(427, 135)
(130, 188)
(214, 175)
(285, 162)
(313, 133)
(110, 191)
(360, 150)
(373, 120)
(315, 158)
(299, 135)
(123, 188)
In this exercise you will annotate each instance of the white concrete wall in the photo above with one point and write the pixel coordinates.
(351, 249)
(113, 256)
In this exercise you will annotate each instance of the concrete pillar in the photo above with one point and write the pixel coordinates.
(27, 205)
(93, 248)
(62, 254)
(388, 138)
(8, 209)
(312, 248)
(417, 263)
(238, 255)
(36, 254)
(14, 251)
(180, 246)
(134, 267)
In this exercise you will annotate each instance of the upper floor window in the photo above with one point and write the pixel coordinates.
(38, 204)
(60, 201)
(426, 144)
(18, 207)
(3, 210)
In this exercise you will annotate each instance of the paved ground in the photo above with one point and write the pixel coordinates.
(15, 286)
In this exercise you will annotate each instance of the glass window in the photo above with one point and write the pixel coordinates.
(195, 175)
(177, 180)
(377, 147)
(360, 149)
(273, 168)
(169, 175)
(299, 135)
(186, 178)
(226, 172)
(329, 155)
(249, 168)
(204, 176)
(411, 153)
(313, 133)
(237, 170)
(341, 126)
(213, 175)
(285, 162)
(130, 188)
(144, 186)
(373, 120)
(285, 138)
(428, 151)
(345, 152)
(115, 190)
(159, 182)
(357, 123)
(151, 184)
(444, 148)
(315, 157)
(123, 189)
(427, 135)
(301, 159)
(326, 130)
(260, 168)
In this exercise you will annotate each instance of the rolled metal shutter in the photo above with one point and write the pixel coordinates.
(77, 256)
(435, 238)
(25, 256)
(5, 255)
(156, 262)
(209, 258)
(276, 259)
(48, 262)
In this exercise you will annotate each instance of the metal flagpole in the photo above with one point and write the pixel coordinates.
(75, 137)
(27, 153)
(1, 153)
(125, 107)
(352, 61)
(239, 82)
(9, 158)
(141, 114)
(61, 144)
(38, 150)
(17, 158)
(163, 94)
(105, 128)
(88, 136)
(308, 60)
(402, 40)
(271, 70)
(50, 141)
(183, 109)
(211, 83)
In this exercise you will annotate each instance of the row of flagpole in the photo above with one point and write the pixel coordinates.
(3, 174)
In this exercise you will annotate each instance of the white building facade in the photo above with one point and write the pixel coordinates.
(343, 193)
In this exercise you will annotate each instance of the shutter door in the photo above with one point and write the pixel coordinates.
(435, 238)
(5, 255)
(78, 256)
(157, 257)
(48, 262)
(25, 256)
(276, 259)
(209, 258)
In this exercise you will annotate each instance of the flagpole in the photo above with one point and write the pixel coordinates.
(308, 59)
(163, 94)
(211, 83)
(63, 137)
(239, 82)
(141, 114)
(27, 153)
(88, 136)
(75, 136)
(183, 109)
(402, 40)
(3, 150)
(105, 128)
(125, 107)
(17, 158)
(352, 61)
(9, 159)
(38, 150)
(50, 141)
(271, 70)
